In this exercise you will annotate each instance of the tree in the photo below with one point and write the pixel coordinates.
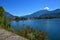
(1, 16)
(17, 18)
(1, 11)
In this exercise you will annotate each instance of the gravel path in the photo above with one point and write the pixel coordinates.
(6, 35)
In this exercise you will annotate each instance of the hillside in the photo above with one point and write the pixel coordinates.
(41, 14)
(45, 14)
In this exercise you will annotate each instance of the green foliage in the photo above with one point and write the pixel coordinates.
(23, 18)
(1, 11)
(17, 18)
(32, 34)
(1, 16)
(4, 21)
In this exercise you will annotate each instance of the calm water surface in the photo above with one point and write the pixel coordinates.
(51, 26)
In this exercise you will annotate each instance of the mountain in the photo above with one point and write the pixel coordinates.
(45, 14)
(8, 15)
(39, 14)
(51, 14)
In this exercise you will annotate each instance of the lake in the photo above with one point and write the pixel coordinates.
(51, 26)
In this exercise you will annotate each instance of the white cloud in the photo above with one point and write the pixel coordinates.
(46, 8)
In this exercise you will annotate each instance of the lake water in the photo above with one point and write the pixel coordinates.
(51, 26)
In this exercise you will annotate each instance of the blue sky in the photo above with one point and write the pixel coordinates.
(26, 7)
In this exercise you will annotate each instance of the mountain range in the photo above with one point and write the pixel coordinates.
(45, 13)
(40, 14)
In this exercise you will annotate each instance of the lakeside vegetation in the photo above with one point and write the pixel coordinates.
(32, 34)
(27, 32)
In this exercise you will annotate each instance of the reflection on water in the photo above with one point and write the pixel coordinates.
(51, 26)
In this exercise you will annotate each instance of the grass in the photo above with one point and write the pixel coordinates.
(29, 33)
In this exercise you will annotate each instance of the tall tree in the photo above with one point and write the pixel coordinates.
(1, 15)
(1, 11)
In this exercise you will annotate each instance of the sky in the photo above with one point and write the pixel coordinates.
(27, 7)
